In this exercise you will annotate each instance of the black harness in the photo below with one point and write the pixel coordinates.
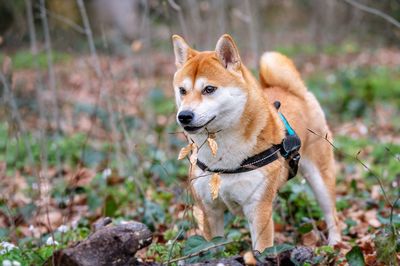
(288, 149)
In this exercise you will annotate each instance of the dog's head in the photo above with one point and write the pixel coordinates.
(209, 86)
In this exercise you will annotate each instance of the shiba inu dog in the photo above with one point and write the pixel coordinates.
(216, 94)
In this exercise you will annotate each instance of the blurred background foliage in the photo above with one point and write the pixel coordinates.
(306, 26)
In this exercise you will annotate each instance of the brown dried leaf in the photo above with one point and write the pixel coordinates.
(185, 151)
(370, 259)
(367, 247)
(136, 46)
(249, 259)
(81, 177)
(193, 157)
(375, 192)
(213, 145)
(214, 184)
(52, 219)
(310, 239)
(371, 218)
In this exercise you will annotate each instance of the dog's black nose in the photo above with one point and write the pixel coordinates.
(185, 117)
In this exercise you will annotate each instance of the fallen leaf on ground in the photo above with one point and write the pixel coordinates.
(52, 220)
(136, 46)
(371, 219)
(310, 239)
(375, 192)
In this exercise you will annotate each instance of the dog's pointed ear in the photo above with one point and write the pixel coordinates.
(182, 51)
(228, 53)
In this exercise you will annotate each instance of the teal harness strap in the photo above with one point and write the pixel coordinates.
(289, 129)
(290, 145)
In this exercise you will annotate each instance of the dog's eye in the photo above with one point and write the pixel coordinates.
(208, 90)
(182, 91)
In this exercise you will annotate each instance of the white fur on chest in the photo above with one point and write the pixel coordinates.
(232, 150)
(238, 192)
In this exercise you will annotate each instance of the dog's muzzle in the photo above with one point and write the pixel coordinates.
(195, 128)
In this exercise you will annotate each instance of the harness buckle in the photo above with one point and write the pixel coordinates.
(290, 151)
(290, 145)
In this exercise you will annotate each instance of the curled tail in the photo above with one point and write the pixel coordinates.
(276, 70)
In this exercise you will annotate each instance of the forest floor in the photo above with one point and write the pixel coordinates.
(107, 146)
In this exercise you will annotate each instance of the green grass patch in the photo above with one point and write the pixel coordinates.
(26, 60)
(345, 47)
(352, 93)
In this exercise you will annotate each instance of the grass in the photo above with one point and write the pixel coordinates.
(26, 60)
(354, 93)
(153, 189)
(345, 47)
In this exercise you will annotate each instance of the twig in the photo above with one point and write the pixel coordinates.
(52, 78)
(66, 21)
(100, 75)
(391, 213)
(396, 156)
(16, 116)
(176, 132)
(31, 26)
(359, 161)
(173, 244)
(254, 37)
(126, 138)
(9, 102)
(89, 35)
(181, 230)
(182, 23)
(374, 11)
(56, 115)
(200, 252)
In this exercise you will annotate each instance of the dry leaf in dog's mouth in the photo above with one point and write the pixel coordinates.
(214, 184)
(185, 151)
(212, 144)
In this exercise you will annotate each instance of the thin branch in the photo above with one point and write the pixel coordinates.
(11, 106)
(374, 11)
(182, 23)
(181, 231)
(38, 91)
(9, 101)
(369, 170)
(396, 156)
(56, 115)
(391, 212)
(89, 36)
(31, 26)
(100, 75)
(52, 79)
(66, 21)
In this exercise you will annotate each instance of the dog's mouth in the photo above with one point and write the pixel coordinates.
(193, 129)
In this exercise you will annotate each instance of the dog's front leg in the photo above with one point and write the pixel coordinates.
(209, 212)
(213, 222)
(259, 216)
